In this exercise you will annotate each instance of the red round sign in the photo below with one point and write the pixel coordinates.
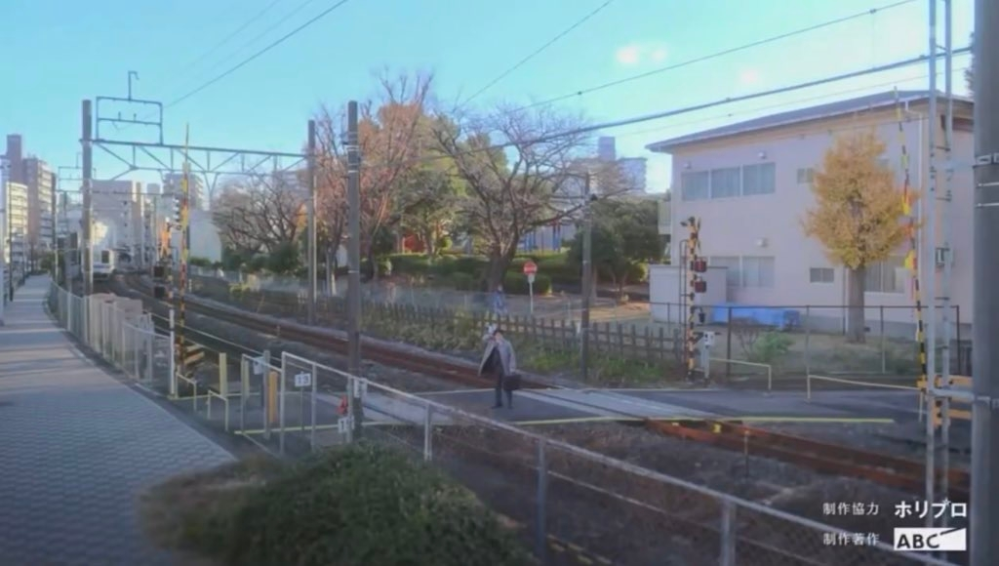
(530, 268)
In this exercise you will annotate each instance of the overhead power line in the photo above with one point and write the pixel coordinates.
(729, 115)
(688, 109)
(723, 53)
(256, 55)
(538, 51)
(229, 37)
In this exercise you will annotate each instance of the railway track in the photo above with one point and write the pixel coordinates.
(822, 457)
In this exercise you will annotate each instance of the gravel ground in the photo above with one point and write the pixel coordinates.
(905, 440)
(775, 484)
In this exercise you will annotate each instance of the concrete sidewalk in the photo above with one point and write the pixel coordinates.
(76, 448)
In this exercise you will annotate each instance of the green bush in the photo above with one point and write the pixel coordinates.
(770, 347)
(559, 269)
(638, 272)
(257, 264)
(364, 504)
(463, 282)
(515, 283)
(410, 264)
(472, 265)
(202, 262)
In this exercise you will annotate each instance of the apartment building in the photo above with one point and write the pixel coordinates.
(15, 248)
(749, 184)
(196, 189)
(37, 176)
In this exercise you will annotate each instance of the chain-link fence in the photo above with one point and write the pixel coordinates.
(120, 332)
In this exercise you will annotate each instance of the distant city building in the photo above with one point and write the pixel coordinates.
(606, 150)
(634, 170)
(196, 188)
(36, 175)
(16, 252)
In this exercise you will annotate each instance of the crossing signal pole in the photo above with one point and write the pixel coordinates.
(696, 285)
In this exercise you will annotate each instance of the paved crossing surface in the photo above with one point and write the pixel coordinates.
(76, 449)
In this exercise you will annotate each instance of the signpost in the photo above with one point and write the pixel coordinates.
(530, 269)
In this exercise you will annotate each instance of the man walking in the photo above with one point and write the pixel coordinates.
(499, 362)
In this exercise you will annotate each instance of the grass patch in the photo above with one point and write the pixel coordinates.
(352, 506)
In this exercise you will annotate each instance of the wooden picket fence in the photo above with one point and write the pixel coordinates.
(611, 339)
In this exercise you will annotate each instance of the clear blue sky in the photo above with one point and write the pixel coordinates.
(62, 51)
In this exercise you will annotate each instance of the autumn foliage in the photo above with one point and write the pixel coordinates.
(858, 213)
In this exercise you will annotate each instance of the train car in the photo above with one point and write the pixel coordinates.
(104, 264)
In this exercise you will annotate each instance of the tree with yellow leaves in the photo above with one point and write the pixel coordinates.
(857, 216)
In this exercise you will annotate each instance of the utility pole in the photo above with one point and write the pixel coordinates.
(584, 324)
(312, 222)
(3, 240)
(55, 232)
(354, 261)
(930, 268)
(88, 156)
(985, 302)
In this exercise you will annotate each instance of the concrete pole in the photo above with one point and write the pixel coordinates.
(584, 324)
(4, 242)
(946, 320)
(929, 267)
(312, 222)
(984, 501)
(354, 261)
(88, 156)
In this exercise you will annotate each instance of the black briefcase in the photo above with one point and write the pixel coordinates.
(511, 382)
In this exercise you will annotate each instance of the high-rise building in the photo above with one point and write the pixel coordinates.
(37, 176)
(634, 170)
(16, 248)
(606, 150)
(196, 188)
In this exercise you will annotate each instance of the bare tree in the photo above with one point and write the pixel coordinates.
(522, 171)
(258, 213)
(390, 144)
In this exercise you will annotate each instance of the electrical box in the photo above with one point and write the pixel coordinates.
(159, 292)
(699, 266)
(700, 286)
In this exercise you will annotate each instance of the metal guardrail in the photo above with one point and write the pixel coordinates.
(300, 400)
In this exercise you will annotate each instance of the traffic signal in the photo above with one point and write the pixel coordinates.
(176, 211)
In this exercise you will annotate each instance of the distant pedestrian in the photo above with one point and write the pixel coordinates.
(499, 301)
(500, 362)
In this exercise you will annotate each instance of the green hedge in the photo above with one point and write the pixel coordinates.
(560, 270)
(515, 283)
(368, 505)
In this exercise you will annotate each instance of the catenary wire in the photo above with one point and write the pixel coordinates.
(779, 106)
(679, 111)
(232, 35)
(537, 52)
(259, 53)
(722, 53)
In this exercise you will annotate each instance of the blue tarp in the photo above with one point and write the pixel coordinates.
(782, 318)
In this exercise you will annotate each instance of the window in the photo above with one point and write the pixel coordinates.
(725, 182)
(821, 275)
(887, 276)
(759, 179)
(695, 186)
(732, 263)
(806, 176)
(757, 271)
(105, 256)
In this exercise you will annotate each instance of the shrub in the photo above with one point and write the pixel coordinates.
(515, 283)
(770, 347)
(410, 264)
(463, 282)
(559, 269)
(472, 265)
(202, 262)
(354, 505)
(364, 504)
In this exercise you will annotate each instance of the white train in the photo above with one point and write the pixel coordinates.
(104, 263)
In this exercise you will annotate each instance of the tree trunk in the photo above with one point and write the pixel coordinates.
(499, 261)
(428, 244)
(855, 323)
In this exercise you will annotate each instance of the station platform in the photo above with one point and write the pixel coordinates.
(77, 447)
